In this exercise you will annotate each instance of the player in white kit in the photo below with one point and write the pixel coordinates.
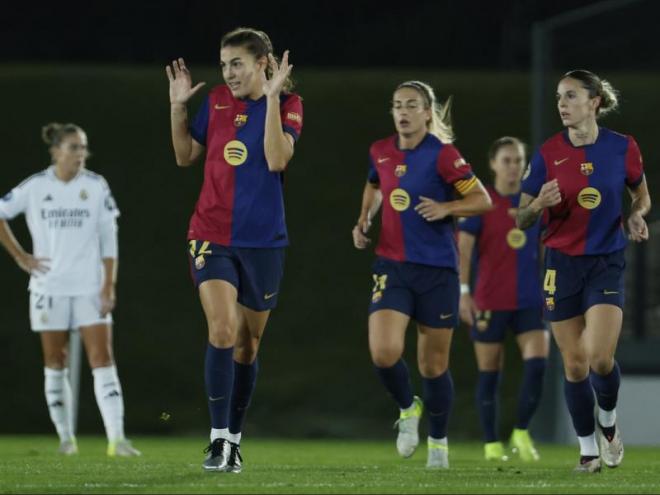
(71, 216)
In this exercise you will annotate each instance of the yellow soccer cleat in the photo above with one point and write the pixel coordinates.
(494, 451)
(521, 443)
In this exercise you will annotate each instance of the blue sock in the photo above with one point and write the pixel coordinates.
(580, 402)
(438, 396)
(397, 382)
(487, 403)
(245, 378)
(219, 377)
(530, 390)
(606, 387)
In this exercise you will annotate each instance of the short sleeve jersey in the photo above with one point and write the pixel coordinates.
(65, 220)
(592, 178)
(507, 275)
(432, 169)
(241, 202)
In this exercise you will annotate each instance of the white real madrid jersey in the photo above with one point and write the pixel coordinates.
(64, 219)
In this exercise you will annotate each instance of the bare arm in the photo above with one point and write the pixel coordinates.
(372, 199)
(278, 145)
(474, 202)
(467, 308)
(641, 204)
(530, 208)
(186, 149)
(24, 260)
(108, 296)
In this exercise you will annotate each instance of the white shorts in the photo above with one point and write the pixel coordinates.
(48, 313)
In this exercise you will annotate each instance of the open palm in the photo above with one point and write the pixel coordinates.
(279, 75)
(181, 88)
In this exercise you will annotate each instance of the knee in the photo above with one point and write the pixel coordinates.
(430, 368)
(245, 352)
(222, 331)
(100, 358)
(576, 367)
(385, 357)
(601, 364)
(56, 358)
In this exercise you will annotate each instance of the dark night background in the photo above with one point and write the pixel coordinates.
(101, 65)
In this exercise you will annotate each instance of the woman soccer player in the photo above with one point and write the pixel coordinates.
(508, 295)
(246, 128)
(71, 216)
(415, 275)
(578, 177)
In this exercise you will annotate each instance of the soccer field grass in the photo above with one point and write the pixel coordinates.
(29, 464)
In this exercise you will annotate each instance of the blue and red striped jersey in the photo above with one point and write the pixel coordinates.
(241, 202)
(591, 180)
(507, 274)
(433, 170)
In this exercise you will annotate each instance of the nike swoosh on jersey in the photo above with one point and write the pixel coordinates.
(559, 162)
(269, 296)
(381, 160)
(221, 107)
(445, 316)
(610, 292)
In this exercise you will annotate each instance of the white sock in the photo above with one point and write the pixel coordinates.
(110, 400)
(235, 437)
(438, 441)
(219, 433)
(606, 418)
(588, 445)
(59, 399)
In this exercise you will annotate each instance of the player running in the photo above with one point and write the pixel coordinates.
(578, 177)
(417, 171)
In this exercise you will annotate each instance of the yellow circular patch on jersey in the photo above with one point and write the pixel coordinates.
(516, 238)
(589, 198)
(399, 199)
(235, 153)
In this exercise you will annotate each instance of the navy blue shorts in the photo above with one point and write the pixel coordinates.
(572, 284)
(491, 326)
(428, 294)
(255, 272)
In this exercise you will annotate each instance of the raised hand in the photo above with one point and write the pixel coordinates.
(279, 74)
(181, 88)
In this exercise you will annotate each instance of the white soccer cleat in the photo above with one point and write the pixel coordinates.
(588, 466)
(122, 448)
(438, 455)
(408, 425)
(611, 449)
(68, 447)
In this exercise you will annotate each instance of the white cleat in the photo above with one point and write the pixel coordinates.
(438, 455)
(611, 449)
(68, 447)
(408, 425)
(590, 466)
(122, 448)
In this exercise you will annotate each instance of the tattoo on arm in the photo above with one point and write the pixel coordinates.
(527, 215)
